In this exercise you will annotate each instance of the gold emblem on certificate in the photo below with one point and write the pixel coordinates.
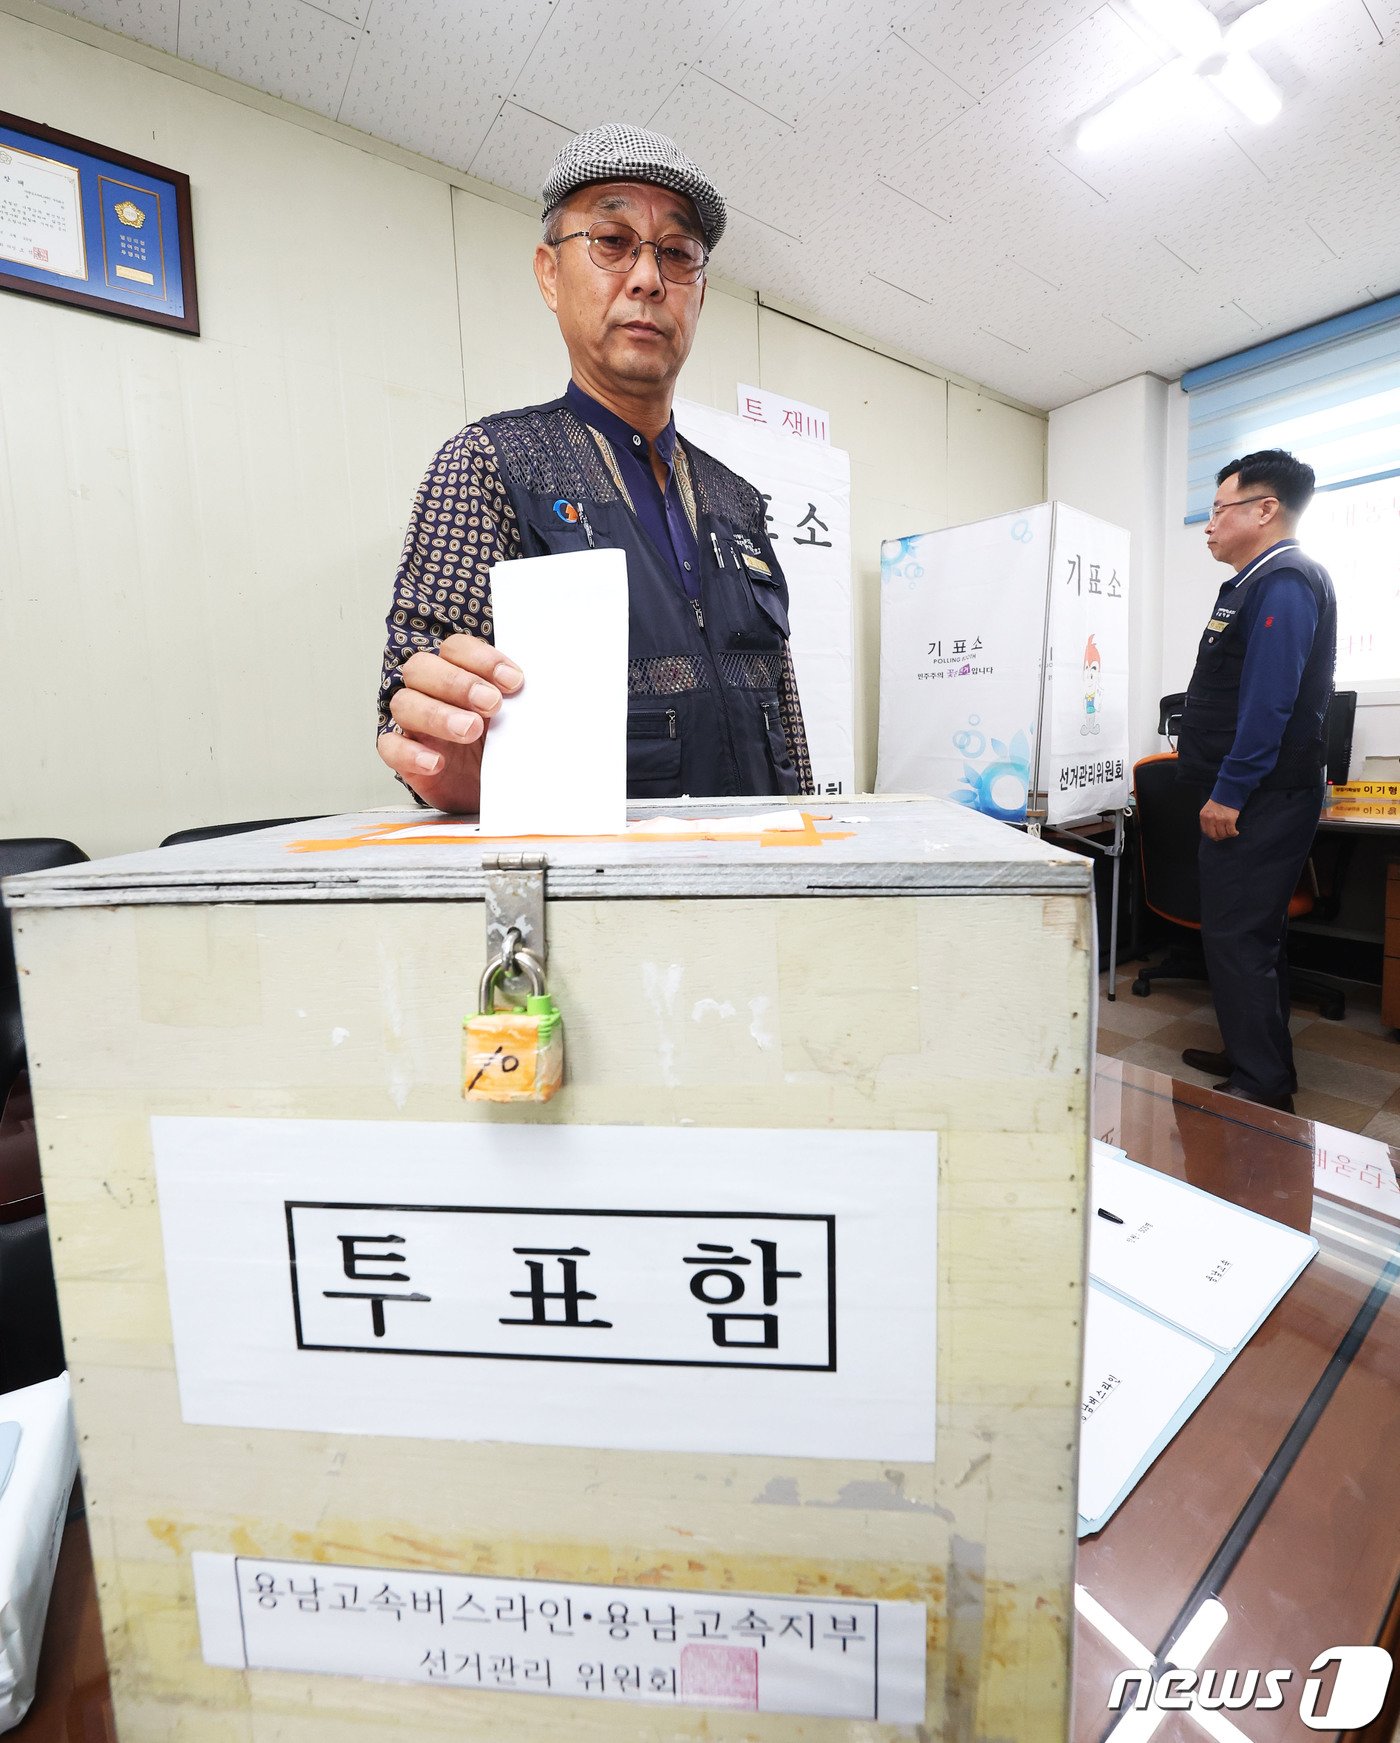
(130, 214)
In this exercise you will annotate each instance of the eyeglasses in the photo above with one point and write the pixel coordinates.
(615, 248)
(1218, 508)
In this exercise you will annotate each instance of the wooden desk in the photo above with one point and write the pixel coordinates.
(1292, 1522)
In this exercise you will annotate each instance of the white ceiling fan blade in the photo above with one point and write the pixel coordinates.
(1246, 87)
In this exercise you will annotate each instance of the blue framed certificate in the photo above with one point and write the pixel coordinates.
(83, 224)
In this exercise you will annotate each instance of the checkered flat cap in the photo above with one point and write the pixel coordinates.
(618, 153)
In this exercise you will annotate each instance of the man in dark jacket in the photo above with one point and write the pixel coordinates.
(1253, 739)
(712, 702)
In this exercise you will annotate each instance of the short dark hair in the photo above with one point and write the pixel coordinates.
(1289, 479)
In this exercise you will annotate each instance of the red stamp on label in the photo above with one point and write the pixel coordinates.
(720, 1676)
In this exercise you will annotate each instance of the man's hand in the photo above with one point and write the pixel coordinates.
(442, 711)
(1219, 822)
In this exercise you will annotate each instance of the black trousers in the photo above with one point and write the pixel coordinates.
(1246, 884)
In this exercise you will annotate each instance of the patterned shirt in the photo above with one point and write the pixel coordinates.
(462, 523)
(662, 513)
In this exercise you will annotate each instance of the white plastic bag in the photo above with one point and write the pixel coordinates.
(33, 1508)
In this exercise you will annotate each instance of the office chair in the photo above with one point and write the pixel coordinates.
(31, 1340)
(182, 837)
(1168, 833)
(24, 853)
(1341, 722)
(1169, 712)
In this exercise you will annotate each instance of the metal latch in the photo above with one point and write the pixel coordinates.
(515, 897)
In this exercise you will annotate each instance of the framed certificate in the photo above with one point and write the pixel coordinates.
(82, 224)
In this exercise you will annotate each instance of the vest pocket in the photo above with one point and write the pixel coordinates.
(551, 537)
(653, 754)
(779, 755)
(769, 598)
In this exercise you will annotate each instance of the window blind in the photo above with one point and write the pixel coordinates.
(1329, 394)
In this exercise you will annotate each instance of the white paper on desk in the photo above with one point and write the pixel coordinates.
(1204, 1264)
(1138, 1373)
(555, 761)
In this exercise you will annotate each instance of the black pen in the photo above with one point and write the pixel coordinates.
(1108, 1216)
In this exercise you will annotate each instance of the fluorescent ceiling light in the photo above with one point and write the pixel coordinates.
(1244, 84)
(1221, 58)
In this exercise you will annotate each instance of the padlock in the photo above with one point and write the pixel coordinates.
(514, 1055)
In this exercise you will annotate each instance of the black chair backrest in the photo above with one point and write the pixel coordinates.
(24, 853)
(1341, 723)
(1169, 833)
(1169, 712)
(210, 830)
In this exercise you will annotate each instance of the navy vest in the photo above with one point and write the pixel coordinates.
(703, 675)
(1213, 695)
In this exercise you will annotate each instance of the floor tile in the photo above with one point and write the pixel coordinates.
(1385, 1126)
(1342, 1077)
(1111, 1044)
(1333, 1110)
(1166, 1059)
(1342, 1041)
(1130, 1016)
(1198, 1031)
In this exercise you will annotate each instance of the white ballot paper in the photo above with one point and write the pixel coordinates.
(555, 761)
(1202, 1263)
(1138, 1374)
(1179, 1282)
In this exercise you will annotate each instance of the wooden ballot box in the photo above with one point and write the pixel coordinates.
(729, 1393)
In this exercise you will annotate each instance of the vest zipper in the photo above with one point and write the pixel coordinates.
(670, 723)
(699, 611)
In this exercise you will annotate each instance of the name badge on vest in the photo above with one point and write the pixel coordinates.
(1221, 619)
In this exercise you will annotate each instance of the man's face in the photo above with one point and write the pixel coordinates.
(1238, 519)
(631, 329)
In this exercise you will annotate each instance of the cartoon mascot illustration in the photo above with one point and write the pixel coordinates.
(1093, 665)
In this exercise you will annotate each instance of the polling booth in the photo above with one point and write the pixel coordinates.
(1004, 671)
(1004, 665)
(729, 1389)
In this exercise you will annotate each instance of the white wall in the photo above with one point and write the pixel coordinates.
(197, 536)
(1107, 456)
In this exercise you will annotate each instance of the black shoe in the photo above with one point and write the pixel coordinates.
(1219, 1064)
(1199, 1059)
(1283, 1103)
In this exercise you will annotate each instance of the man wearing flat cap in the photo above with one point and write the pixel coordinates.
(712, 706)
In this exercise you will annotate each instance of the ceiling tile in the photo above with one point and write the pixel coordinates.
(982, 46)
(284, 47)
(149, 21)
(793, 56)
(432, 76)
(348, 11)
(910, 173)
(519, 150)
(613, 60)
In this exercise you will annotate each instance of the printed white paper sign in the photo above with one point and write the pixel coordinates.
(757, 405)
(806, 487)
(685, 1289)
(849, 1658)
